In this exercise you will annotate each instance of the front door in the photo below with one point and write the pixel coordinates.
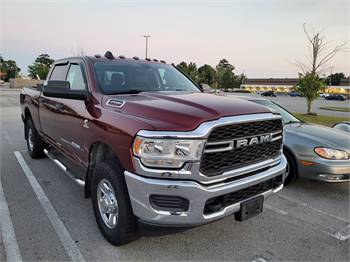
(64, 121)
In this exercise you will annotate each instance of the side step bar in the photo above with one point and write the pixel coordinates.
(63, 167)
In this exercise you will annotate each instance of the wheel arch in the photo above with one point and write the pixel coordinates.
(27, 116)
(98, 153)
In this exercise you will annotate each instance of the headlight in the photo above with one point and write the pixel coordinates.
(171, 153)
(330, 153)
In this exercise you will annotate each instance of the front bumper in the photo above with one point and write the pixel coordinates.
(141, 188)
(327, 170)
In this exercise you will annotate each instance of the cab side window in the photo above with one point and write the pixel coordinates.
(59, 72)
(75, 77)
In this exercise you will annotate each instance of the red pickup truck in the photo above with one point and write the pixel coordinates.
(149, 146)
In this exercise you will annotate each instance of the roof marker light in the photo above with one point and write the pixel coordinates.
(136, 58)
(98, 56)
(155, 60)
(148, 59)
(109, 55)
(162, 61)
(122, 57)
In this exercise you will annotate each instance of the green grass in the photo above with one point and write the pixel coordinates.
(321, 119)
(336, 108)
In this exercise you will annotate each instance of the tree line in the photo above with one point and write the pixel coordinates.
(222, 76)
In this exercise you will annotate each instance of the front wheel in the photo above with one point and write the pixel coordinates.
(111, 204)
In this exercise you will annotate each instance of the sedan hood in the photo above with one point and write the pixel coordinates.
(316, 135)
(181, 111)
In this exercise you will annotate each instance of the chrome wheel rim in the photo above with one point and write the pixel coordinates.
(30, 139)
(107, 203)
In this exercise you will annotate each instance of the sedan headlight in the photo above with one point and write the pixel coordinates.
(330, 153)
(167, 153)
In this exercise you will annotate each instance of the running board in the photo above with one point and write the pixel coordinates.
(63, 168)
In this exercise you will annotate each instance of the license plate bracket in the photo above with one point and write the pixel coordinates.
(250, 208)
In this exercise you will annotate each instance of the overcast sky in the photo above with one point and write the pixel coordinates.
(261, 38)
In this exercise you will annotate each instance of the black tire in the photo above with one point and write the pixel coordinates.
(292, 170)
(35, 144)
(126, 229)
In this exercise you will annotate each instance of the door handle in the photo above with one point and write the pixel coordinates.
(59, 106)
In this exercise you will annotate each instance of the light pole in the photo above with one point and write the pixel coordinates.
(330, 77)
(146, 36)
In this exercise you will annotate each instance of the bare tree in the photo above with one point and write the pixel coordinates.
(319, 55)
(319, 51)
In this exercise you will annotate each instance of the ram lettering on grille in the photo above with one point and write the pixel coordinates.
(238, 145)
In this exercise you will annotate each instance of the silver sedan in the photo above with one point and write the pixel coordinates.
(313, 151)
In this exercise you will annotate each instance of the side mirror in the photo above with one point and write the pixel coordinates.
(61, 89)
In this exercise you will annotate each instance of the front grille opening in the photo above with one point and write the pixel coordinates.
(218, 203)
(169, 203)
(216, 163)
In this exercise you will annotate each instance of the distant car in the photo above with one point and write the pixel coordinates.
(294, 94)
(343, 126)
(323, 95)
(268, 93)
(312, 151)
(335, 97)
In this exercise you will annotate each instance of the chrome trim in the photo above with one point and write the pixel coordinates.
(232, 145)
(140, 189)
(63, 168)
(108, 103)
(190, 171)
(203, 130)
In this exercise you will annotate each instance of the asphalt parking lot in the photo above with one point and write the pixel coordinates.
(44, 216)
(298, 104)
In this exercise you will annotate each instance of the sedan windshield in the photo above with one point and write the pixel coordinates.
(287, 117)
(123, 77)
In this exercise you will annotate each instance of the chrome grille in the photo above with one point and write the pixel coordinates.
(220, 155)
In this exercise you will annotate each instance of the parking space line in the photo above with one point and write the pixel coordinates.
(62, 232)
(275, 209)
(7, 231)
(290, 199)
(343, 234)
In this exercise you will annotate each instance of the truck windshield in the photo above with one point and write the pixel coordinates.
(122, 77)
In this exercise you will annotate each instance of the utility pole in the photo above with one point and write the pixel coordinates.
(330, 77)
(146, 36)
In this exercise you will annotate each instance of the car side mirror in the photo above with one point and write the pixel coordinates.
(201, 87)
(61, 89)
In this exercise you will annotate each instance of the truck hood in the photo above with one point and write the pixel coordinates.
(315, 135)
(181, 111)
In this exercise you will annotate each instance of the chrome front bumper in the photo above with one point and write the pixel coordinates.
(140, 188)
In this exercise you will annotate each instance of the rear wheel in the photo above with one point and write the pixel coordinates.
(35, 144)
(111, 204)
(291, 170)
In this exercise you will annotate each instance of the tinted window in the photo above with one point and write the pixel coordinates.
(59, 72)
(75, 77)
(123, 76)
